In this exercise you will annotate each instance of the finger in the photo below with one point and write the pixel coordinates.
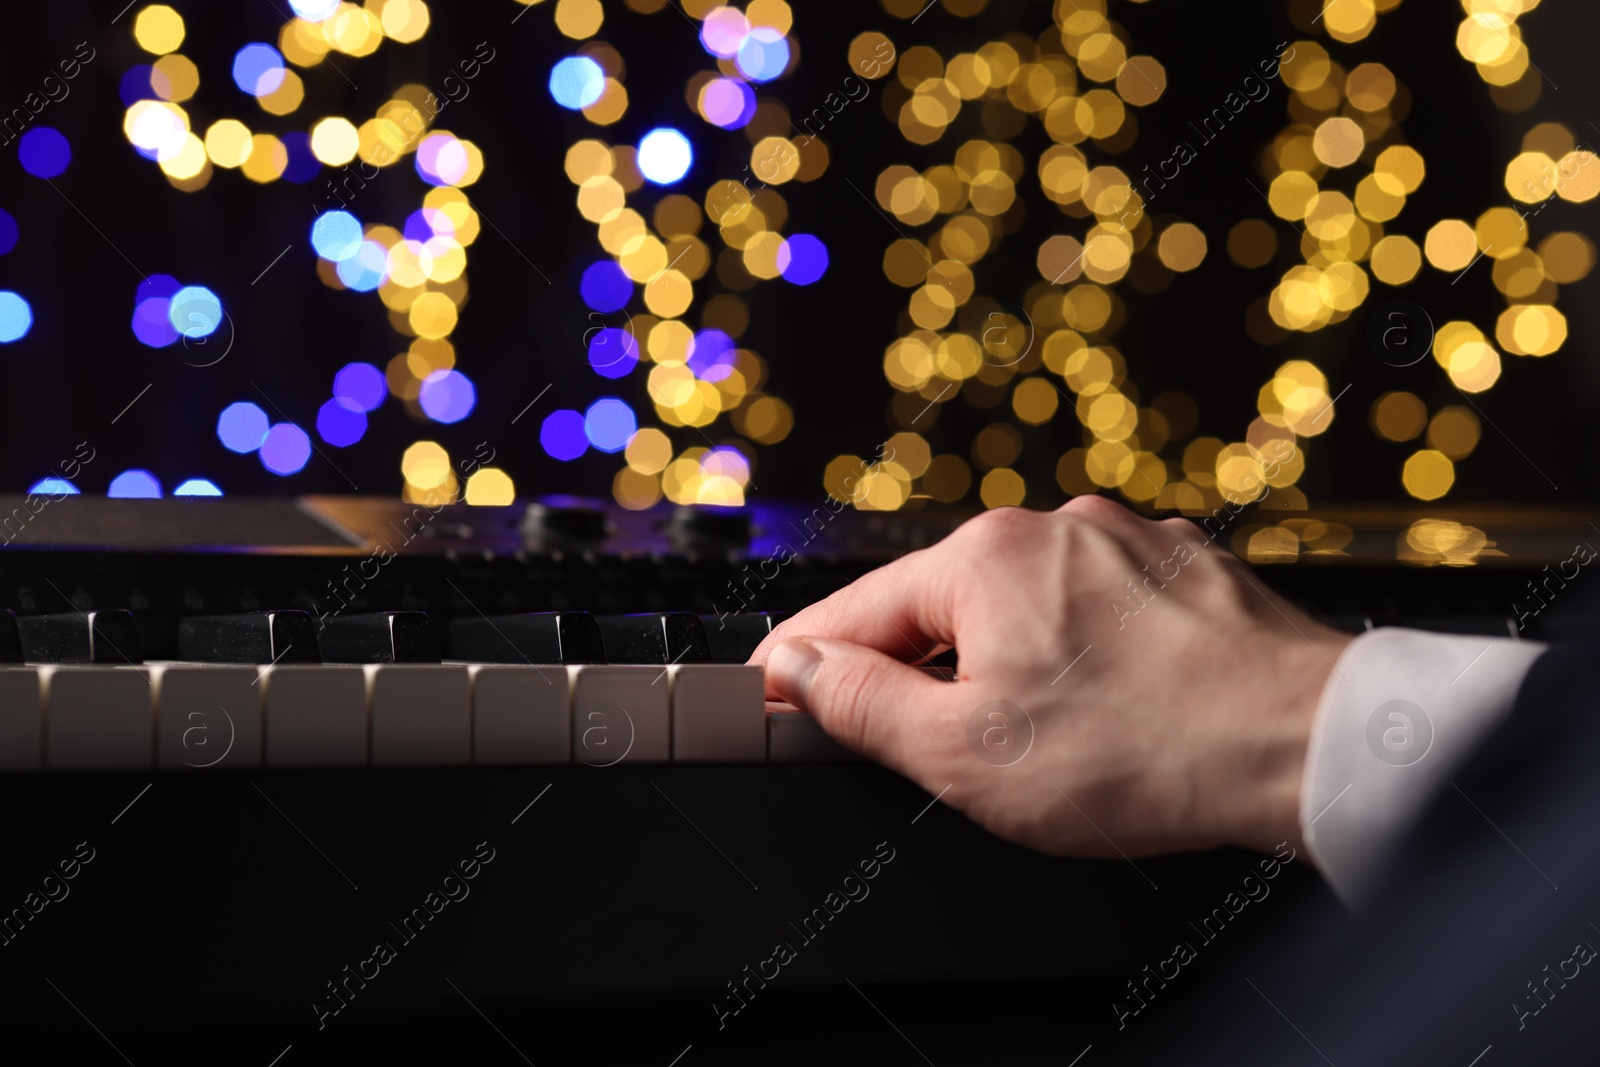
(870, 703)
(903, 609)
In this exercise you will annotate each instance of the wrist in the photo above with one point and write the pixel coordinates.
(1262, 776)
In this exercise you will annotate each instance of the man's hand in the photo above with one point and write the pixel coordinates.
(1170, 695)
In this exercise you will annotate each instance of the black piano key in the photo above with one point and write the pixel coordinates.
(733, 638)
(663, 637)
(379, 637)
(10, 639)
(251, 637)
(534, 637)
(105, 636)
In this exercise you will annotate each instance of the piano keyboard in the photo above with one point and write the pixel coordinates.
(283, 689)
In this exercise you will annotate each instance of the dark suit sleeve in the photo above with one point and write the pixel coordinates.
(1481, 940)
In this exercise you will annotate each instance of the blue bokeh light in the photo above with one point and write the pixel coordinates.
(609, 423)
(53, 487)
(16, 317)
(763, 55)
(195, 311)
(8, 232)
(365, 270)
(152, 322)
(361, 385)
(302, 165)
(135, 485)
(605, 287)
(562, 435)
(447, 396)
(44, 152)
(613, 352)
(285, 449)
(711, 355)
(340, 424)
(242, 427)
(135, 85)
(197, 487)
(664, 155)
(802, 259)
(156, 285)
(576, 82)
(258, 69)
(336, 235)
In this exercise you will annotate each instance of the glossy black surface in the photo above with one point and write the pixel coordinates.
(249, 637)
(733, 638)
(530, 637)
(664, 637)
(105, 636)
(379, 637)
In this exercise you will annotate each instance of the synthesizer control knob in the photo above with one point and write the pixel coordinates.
(564, 520)
(707, 525)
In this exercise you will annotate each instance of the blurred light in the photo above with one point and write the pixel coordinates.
(8, 232)
(489, 487)
(135, 85)
(365, 270)
(576, 82)
(802, 259)
(197, 487)
(54, 487)
(285, 449)
(44, 152)
(447, 396)
(608, 424)
(195, 311)
(158, 29)
(361, 385)
(723, 31)
(613, 352)
(605, 287)
(336, 235)
(242, 427)
(135, 485)
(664, 155)
(711, 355)
(728, 103)
(158, 129)
(562, 435)
(302, 164)
(340, 424)
(258, 69)
(315, 10)
(763, 55)
(442, 159)
(152, 323)
(16, 317)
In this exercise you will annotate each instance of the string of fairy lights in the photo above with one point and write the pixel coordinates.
(678, 253)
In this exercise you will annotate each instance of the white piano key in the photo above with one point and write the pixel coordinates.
(98, 718)
(316, 716)
(620, 714)
(520, 714)
(207, 715)
(421, 714)
(21, 720)
(718, 714)
(795, 737)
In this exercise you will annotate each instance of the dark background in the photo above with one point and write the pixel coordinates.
(80, 365)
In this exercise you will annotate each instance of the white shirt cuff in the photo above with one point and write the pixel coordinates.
(1398, 716)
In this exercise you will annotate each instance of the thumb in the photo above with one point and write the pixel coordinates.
(865, 700)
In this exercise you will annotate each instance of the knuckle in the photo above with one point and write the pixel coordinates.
(1000, 526)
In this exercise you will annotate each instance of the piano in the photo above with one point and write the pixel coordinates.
(298, 776)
